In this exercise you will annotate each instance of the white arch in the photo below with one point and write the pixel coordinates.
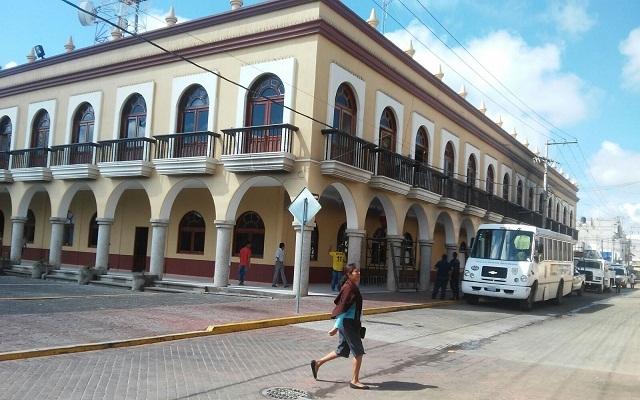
(348, 202)
(423, 222)
(338, 76)
(146, 90)
(469, 228)
(237, 197)
(172, 194)
(447, 222)
(389, 213)
(25, 200)
(67, 198)
(383, 101)
(114, 196)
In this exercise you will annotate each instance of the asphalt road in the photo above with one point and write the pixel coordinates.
(588, 348)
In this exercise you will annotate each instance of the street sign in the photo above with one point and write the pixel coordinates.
(304, 206)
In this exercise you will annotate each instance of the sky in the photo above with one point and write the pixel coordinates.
(555, 71)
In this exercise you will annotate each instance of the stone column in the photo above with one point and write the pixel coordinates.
(301, 265)
(224, 230)
(425, 264)
(158, 244)
(17, 235)
(55, 247)
(104, 240)
(394, 251)
(354, 252)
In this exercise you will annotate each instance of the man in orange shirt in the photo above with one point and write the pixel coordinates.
(245, 261)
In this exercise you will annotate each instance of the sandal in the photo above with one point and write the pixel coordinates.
(314, 370)
(354, 386)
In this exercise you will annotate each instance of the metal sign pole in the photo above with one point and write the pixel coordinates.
(299, 272)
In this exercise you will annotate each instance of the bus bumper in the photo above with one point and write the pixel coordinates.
(495, 290)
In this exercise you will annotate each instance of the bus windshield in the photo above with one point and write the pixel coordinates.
(502, 244)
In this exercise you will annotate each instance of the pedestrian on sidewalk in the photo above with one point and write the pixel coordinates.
(337, 265)
(347, 314)
(278, 270)
(454, 282)
(442, 269)
(245, 262)
(632, 280)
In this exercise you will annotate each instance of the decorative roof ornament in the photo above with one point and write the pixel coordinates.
(499, 121)
(235, 4)
(171, 19)
(525, 142)
(69, 46)
(373, 19)
(514, 133)
(116, 33)
(31, 56)
(483, 107)
(463, 91)
(439, 74)
(410, 51)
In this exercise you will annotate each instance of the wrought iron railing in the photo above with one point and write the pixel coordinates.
(71, 154)
(454, 189)
(477, 197)
(394, 166)
(427, 178)
(129, 149)
(30, 158)
(179, 145)
(349, 149)
(258, 139)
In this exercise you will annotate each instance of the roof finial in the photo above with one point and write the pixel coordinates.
(373, 19)
(69, 46)
(410, 51)
(171, 19)
(235, 4)
(463, 91)
(483, 107)
(440, 74)
(31, 57)
(514, 133)
(499, 122)
(525, 142)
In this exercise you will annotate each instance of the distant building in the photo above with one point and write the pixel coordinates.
(606, 236)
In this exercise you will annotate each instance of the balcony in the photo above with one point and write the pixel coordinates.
(347, 156)
(393, 172)
(427, 184)
(477, 202)
(122, 158)
(186, 153)
(74, 161)
(259, 148)
(454, 194)
(31, 165)
(5, 173)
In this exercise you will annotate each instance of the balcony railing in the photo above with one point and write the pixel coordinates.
(180, 145)
(4, 159)
(455, 189)
(72, 154)
(129, 149)
(477, 197)
(30, 158)
(349, 149)
(258, 139)
(427, 178)
(394, 166)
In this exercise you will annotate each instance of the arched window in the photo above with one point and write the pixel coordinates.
(191, 233)
(449, 159)
(67, 233)
(564, 215)
(249, 228)
(83, 123)
(30, 227)
(519, 189)
(40, 130)
(422, 146)
(505, 186)
(193, 111)
(549, 208)
(345, 111)
(315, 237)
(530, 200)
(134, 117)
(471, 170)
(342, 240)
(93, 231)
(541, 203)
(571, 219)
(5, 133)
(266, 102)
(388, 130)
(490, 179)
(558, 212)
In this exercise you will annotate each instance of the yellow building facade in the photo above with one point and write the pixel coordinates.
(125, 156)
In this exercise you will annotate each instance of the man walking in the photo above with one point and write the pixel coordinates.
(278, 270)
(455, 277)
(442, 277)
(245, 261)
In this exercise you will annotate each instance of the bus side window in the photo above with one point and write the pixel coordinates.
(540, 249)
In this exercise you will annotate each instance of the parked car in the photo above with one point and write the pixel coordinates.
(578, 284)
(622, 276)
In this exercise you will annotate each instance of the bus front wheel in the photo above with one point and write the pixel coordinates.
(560, 294)
(527, 304)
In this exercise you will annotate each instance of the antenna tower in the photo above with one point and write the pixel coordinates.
(124, 13)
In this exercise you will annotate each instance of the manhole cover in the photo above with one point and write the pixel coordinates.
(285, 393)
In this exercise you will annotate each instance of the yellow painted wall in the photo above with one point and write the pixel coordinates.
(198, 200)
(132, 211)
(83, 207)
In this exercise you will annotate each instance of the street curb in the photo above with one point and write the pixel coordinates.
(210, 331)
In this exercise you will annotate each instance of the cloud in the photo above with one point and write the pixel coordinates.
(630, 47)
(572, 17)
(10, 64)
(610, 165)
(533, 73)
(154, 19)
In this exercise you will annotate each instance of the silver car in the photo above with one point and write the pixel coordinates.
(622, 276)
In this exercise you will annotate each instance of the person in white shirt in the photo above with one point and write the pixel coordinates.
(279, 267)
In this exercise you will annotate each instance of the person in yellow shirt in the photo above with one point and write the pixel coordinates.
(337, 265)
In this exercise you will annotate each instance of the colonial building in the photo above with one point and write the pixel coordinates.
(125, 156)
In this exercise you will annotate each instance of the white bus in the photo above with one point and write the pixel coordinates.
(519, 262)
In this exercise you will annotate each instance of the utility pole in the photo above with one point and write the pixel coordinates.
(545, 187)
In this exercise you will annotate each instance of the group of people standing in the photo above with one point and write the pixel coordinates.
(447, 272)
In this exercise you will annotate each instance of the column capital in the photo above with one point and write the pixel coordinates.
(451, 246)
(428, 243)
(57, 220)
(19, 219)
(355, 232)
(159, 223)
(395, 238)
(224, 224)
(104, 221)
